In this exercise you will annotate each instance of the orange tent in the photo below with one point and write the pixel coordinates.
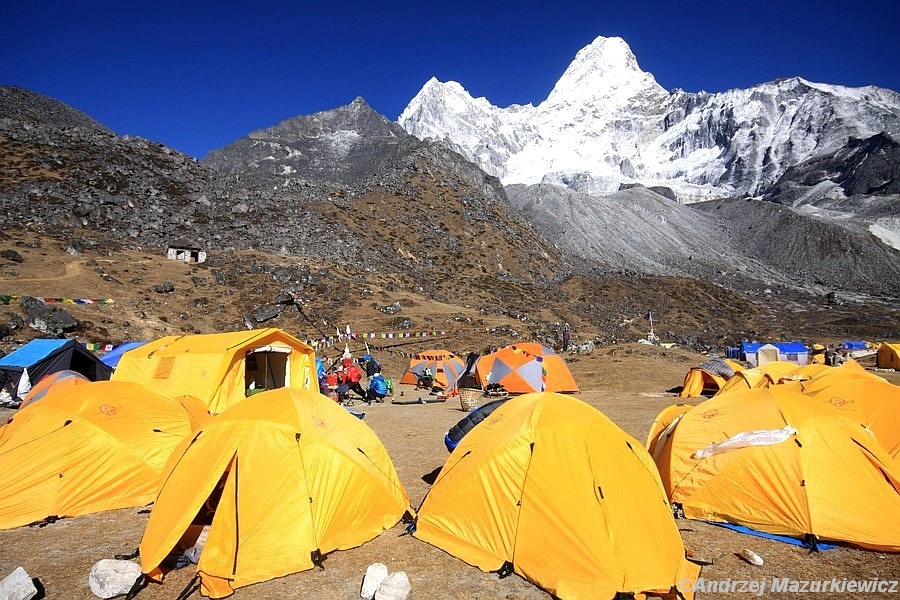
(56, 381)
(524, 368)
(662, 427)
(772, 460)
(88, 448)
(282, 479)
(445, 366)
(549, 488)
(709, 377)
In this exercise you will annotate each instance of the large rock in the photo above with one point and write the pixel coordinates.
(394, 587)
(17, 586)
(266, 312)
(376, 573)
(110, 578)
(48, 319)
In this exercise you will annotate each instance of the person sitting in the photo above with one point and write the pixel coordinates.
(331, 379)
(840, 357)
(377, 389)
(425, 380)
(817, 356)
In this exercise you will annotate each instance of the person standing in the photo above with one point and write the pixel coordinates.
(354, 376)
(372, 365)
(566, 336)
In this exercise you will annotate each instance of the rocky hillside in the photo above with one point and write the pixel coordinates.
(862, 167)
(343, 145)
(822, 247)
(62, 170)
(399, 234)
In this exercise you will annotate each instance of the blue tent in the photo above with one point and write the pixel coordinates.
(112, 357)
(795, 352)
(853, 345)
(44, 356)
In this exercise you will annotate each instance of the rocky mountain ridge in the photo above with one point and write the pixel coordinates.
(607, 123)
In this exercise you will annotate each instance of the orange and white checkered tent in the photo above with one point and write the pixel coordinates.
(524, 368)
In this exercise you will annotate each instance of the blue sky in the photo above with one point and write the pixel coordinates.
(196, 76)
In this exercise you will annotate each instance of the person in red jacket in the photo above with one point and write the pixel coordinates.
(353, 375)
(332, 380)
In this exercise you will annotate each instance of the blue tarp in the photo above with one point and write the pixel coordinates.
(771, 536)
(854, 345)
(112, 357)
(32, 352)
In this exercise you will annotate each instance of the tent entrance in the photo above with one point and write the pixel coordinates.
(267, 368)
(766, 354)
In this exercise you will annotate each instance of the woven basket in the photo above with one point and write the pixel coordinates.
(470, 398)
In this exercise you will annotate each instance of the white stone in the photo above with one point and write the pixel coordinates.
(394, 587)
(110, 578)
(375, 574)
(752, 557)
(17, 586)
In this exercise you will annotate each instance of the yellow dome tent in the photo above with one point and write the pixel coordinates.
(53, 381)
(88, 448)
(888, 356)
(286, 477)
(865, 397)
(709, 377)
(220, 368)
(662, 427)
(771, 373)
(774, 461)
(549, 488)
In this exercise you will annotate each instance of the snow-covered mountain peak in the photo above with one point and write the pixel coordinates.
(602, 70)
(607, 123)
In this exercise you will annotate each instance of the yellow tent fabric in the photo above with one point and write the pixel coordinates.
(55, 381)
(888, 356)
(214, 367)
(296, 477)
(549, 488)
(706, 379)
(805, 372)
(862, 396)
(769, 374)
(87, 448)
(662, 427)
(774, 461)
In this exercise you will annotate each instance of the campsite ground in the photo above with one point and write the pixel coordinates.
(628, 383)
